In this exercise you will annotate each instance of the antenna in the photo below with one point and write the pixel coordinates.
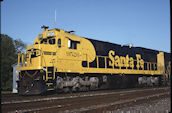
(55, 19)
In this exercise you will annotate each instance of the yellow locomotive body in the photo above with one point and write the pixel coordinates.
(61, 60)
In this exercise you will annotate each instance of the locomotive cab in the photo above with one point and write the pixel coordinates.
(54, 51)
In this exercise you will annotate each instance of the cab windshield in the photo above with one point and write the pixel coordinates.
(48, 41)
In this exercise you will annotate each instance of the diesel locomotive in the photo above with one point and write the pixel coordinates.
(59, 61)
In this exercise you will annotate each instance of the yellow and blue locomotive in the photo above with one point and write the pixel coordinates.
(62, 61)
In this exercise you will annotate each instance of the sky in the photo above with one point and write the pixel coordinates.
(143, 23)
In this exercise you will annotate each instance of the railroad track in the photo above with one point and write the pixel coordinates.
(81, 102)
(7, 98)
(10, 95)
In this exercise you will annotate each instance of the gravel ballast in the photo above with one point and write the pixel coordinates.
(156, 106)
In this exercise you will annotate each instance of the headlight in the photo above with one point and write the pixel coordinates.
(50, 34)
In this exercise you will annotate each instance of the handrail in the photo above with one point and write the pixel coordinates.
(18, 64)
(25, 60)
(21, 60)
(150, 66)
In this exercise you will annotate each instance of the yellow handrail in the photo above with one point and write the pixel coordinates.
(97, 61)
(19, 54)
(23, 62)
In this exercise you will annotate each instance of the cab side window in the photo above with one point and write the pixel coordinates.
(72, 44)
(59, 42)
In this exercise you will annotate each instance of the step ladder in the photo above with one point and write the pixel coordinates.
(50, 78)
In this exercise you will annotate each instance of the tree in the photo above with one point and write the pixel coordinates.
(19, 45)
(9, 49)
